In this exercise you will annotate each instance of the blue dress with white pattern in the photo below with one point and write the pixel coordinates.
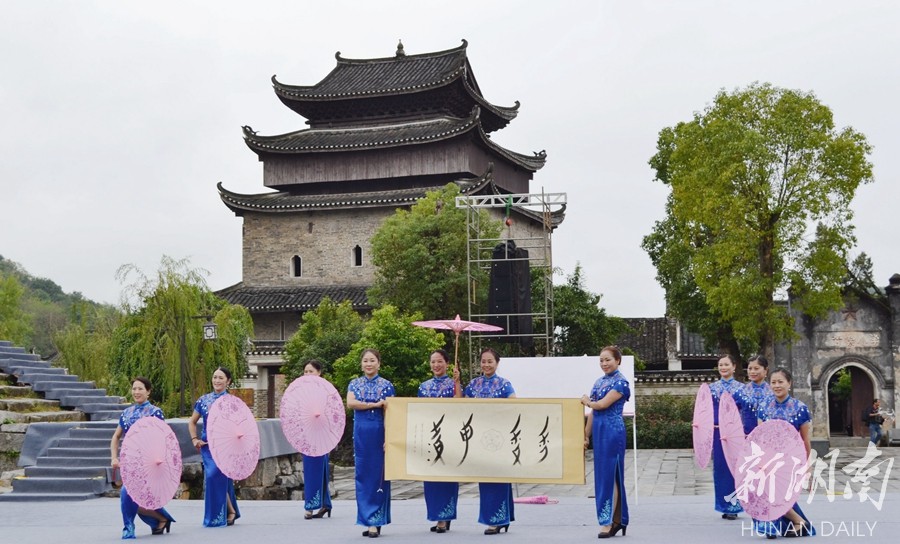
(373, 492)
(218, 488)
(608, 434)
(130, 508)
(440, 497)
(496, 500)
(723, 480)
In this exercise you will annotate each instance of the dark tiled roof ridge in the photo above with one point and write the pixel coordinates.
(459, 49)
(289, 298)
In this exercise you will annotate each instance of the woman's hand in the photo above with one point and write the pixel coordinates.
(115, 462)
(198, 443)
(587, 442)
(586, 400)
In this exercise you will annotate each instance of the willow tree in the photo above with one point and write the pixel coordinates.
(163, 330)
(761, 185)
(14, 322)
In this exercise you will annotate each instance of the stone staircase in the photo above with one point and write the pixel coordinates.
(74, 464)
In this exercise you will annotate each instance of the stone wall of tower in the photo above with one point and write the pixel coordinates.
(324, 241)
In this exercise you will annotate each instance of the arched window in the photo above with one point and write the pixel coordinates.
(357, 256)
(296, 266)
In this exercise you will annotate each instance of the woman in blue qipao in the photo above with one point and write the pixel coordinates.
(366, 397)
(158, 520)
(754, 392)
(496, 500)
(781, 405)
(723, 481)
(315, 469)
(221, 506)
(441, 497)
(605, 424)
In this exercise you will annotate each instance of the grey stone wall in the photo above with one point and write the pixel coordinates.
(324, 240)
(275, 326)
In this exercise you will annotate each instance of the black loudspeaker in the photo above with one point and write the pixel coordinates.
(510, 293)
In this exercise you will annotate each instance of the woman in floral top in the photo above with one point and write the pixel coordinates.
(441, 497)
(366, 397)
(220, 501)
(158, 520)
(785, 407)
(605, 424)
(496, 500)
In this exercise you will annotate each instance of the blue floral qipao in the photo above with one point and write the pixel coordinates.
(218, 488)
(440, 497)
(723, 481)
(496, 500)
(608, 433)
(130, 508)
(373, 493)
(748, 399)
(797, 414)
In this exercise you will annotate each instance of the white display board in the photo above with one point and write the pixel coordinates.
(560, 377)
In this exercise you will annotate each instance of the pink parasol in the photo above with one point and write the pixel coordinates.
(312, 415)
(731, 433)
(770, 476)
(233, 437)
(457, 325)
(150, 462)
(535, 499)
(703, 426)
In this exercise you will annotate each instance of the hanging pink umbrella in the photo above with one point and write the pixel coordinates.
(150, 462)
(233, 437)
(768, 481)
(703, 426)
(312, 415)
(731, 433)
(457, 325)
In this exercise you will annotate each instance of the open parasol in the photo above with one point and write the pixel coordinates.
(702, 426)
(731, 433)
(457, 325)
(150, 462)
(233, 437)
(768, 481)
(312, 415)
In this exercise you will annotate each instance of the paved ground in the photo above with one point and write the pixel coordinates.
(673, 503)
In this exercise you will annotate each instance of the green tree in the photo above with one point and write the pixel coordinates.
(582, 326)
(15, 325)
(163, 324)
(420, 256)
(85, 344)
(404, 351)
(761, 186)
(326, 333)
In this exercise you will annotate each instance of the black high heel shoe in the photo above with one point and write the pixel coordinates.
(160, 530)
(439, 529)
(372, 534)
(229, 521)
(308, 515)
(496, 530)
(613, 529)
(322, 512)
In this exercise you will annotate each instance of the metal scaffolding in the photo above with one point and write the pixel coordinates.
(539, 207)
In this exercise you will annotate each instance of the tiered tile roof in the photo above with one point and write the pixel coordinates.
(287, 299)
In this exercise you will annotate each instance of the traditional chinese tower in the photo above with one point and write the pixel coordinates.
(381, 132)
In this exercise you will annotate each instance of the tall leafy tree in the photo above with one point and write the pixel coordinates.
(404, 350)
(582, 326)
(420, 256)
(761, 186)
(15, 325)
(326, 333)
(163, 323)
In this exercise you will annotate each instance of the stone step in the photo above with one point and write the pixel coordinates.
(49, 386)
(95, 407)
(45, 497)
(102, 453)
(41, 417)
(94, 485)
(7, 391)
(79, 400)
(23, 364)
(18, 353)
(84, 442)
(28, 405)
(92, 434)
(96, 462)
(66, 472)
(45, 375)
(848, 442)
(63, 392)
(112, 415)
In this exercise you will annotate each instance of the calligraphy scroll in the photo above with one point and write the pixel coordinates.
(485, 440)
